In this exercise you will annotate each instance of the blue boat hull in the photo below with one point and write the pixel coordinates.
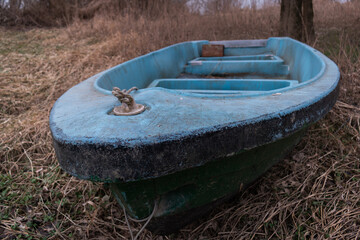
(202, 115)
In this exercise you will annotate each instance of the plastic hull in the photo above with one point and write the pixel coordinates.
(212, 125)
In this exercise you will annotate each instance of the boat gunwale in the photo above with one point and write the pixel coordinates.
(154, 171)
(128, 142)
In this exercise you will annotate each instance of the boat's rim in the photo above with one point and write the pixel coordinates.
(108, 100)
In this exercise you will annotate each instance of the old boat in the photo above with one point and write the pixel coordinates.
(208, 118)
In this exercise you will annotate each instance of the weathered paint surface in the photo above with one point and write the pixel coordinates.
(201, 139)
(184, 129)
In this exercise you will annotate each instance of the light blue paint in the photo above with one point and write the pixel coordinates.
(224, 86)
(271, 67)
(168, 62)
(276, 59)
(81, 114)
(238, 58)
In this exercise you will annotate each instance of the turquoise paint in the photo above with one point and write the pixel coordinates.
(165, 63)
(238, 58)
(274, 67)
(81, 115)
(223, 86)
(276, 59)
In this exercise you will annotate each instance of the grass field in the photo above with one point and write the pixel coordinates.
(313, 194)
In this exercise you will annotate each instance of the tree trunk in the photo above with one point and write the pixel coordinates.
(296, 19)
(308, 16)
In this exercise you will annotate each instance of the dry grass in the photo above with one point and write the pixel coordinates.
(313, 194)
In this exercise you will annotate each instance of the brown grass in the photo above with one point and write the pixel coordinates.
(313, 194)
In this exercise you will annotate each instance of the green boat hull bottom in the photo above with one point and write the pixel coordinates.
(176, 131)
(185, 196)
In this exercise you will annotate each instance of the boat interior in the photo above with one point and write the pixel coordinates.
(242, 68)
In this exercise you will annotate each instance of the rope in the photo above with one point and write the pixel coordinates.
(128, 105)
(124, 95)
(146, 220)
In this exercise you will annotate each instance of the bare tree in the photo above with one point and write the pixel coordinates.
(296, 19)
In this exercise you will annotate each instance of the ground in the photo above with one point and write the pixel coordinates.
(314, 193)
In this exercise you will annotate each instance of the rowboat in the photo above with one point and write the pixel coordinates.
(198, 123)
